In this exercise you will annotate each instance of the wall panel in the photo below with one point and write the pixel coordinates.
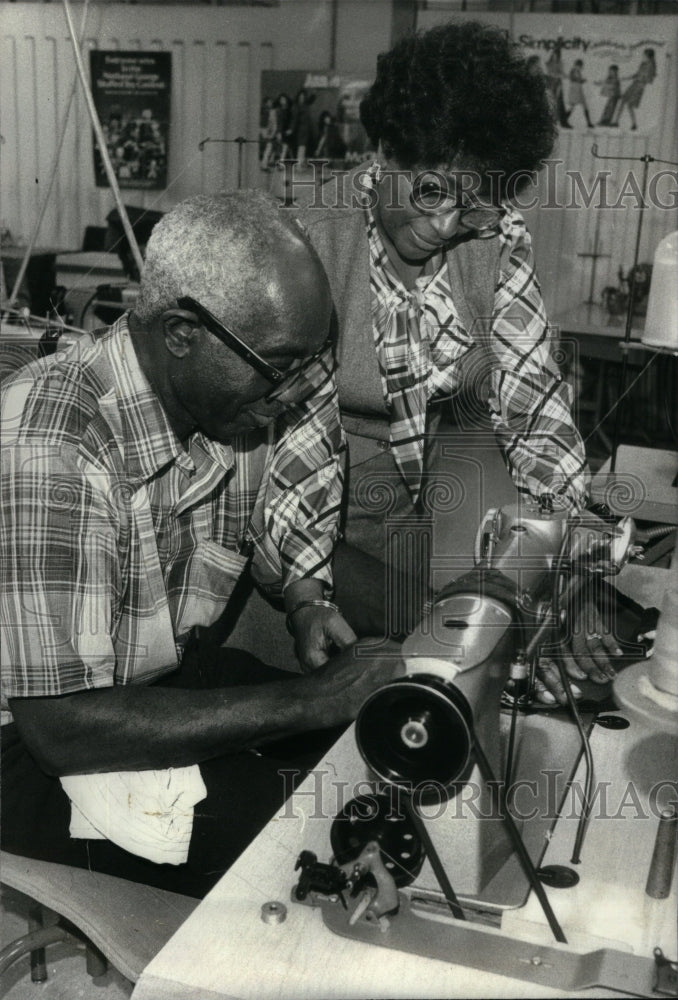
(30, 151)
(218, 54)
(10, 196)
(363, 30)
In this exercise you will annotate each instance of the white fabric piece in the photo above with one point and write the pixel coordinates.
(148, 813)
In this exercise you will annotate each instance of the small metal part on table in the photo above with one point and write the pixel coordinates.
(273, 912)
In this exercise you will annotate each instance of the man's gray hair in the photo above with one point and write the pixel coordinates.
(216, 248)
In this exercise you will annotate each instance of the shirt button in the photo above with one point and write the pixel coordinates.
(383, 445)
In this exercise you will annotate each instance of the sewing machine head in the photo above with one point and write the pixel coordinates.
(481, 627)
(439, 728)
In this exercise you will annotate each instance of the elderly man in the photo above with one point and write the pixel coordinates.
(140, 478)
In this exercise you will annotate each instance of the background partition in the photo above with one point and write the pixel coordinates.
(218, 56)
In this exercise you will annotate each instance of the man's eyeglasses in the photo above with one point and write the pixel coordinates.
(232, 340)
(288, 385)
(433, 194)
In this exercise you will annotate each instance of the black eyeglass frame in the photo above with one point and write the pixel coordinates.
(232, 340)
(445, 195)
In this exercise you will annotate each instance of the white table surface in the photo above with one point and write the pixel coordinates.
(225, 951)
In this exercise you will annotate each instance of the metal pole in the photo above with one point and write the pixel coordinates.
(240, 141)
(334, 18)
(55, 164)
(646, 160)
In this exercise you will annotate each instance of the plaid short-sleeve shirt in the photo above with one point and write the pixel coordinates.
(116, 540)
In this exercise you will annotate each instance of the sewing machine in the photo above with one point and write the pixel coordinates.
(488, 891)
(270, 932)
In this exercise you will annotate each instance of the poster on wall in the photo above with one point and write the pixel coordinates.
(598, 80)
(311, 115)
(132, 97)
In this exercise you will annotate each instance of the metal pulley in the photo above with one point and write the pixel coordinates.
(416, 730)
(381, 819)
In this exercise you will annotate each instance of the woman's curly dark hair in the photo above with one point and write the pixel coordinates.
(460, 96)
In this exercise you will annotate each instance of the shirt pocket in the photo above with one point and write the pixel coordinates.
(210, 578)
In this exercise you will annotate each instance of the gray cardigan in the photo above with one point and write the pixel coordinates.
(337, 231)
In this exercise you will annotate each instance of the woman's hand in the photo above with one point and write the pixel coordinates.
(585, 654)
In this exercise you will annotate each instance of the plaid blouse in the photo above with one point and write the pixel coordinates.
(116, 541)
(420, 341)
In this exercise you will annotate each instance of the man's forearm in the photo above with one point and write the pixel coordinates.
(140, 728)
(132, 727)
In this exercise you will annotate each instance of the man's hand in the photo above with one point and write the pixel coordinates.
(585, 654)
(318, 626)
(319, 631)
(346, 680)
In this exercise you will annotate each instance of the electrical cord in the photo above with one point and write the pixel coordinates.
(434, 860)
(552, 622)
(532, 656)
(521, 850)
(558, 570)
(508, 772)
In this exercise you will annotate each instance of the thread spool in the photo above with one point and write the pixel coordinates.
(649, 690)
(661, 322)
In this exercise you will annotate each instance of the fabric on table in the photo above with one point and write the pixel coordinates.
(244, 790)
(149, 813)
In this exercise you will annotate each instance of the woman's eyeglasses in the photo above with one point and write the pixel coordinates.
(288, 384)
(433, 194)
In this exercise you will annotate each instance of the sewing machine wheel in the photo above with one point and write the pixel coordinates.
(416, 731)
(381, 818)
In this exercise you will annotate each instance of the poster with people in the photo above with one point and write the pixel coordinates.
(309, 115)
(132, 97)
(601, 82)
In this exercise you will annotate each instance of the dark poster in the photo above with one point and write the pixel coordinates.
(132, 97)
(311, 115)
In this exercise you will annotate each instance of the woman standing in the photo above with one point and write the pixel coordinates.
(276, 147)
(300, 131)
(633, 94)
(435, 290)
(555, 74)
(330, 143)
(611, 90)
(576, 95)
